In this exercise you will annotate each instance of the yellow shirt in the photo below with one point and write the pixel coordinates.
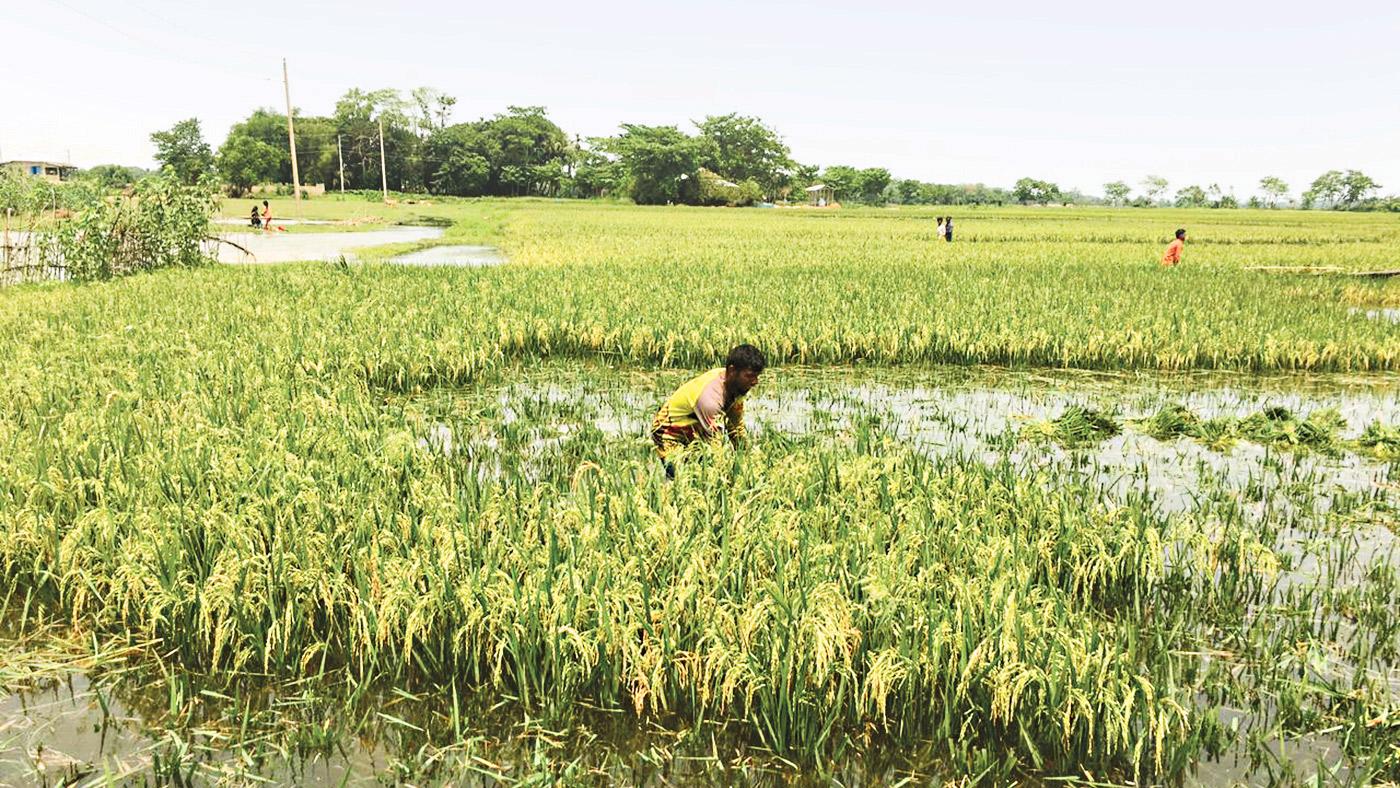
(697, 410)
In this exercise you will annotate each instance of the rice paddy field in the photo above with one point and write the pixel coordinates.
(1023, 508)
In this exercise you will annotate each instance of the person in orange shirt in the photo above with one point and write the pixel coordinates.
(1173, 254)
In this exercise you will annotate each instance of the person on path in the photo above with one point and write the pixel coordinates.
(254, 219)
(1172, 256)
(267, 216)
(942, 230)
(708, 407)
(948, 229)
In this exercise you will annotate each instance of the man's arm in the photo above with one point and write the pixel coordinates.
(709, 408)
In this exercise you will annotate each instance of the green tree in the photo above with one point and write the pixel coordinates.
(662, 163)
(844, 181)
(804, 175)
(457, 161)
(1154, 186)
(521, 140)
(245, 161)
(908, 191)
(432, 109)
(524, 153)
(1191, 197)
(458, 168)
(358, 114)
(113, 176)
(182, 148)
(871, 183)
(1326, 190)
(596, 174)
(1356, 187)
(1116, 192)
(1029, 190)
(1274, 190)
(742, 148)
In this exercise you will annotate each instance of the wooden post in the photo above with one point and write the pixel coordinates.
(291, 137)
(383, 170)
(340, 154)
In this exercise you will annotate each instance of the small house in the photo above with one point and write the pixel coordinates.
(820, 195)
(51, 171)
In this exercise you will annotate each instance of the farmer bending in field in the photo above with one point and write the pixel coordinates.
(1173, 254)
(710, 406)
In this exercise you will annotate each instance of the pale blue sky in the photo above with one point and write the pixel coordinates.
(1077, 93)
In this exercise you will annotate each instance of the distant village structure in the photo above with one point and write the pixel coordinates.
(51, 171)
(820, 195)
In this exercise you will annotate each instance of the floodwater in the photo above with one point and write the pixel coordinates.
(1382, 313)
(273, 247)
(81, 730)
(243, 222)
(953, 412)
(456, 255)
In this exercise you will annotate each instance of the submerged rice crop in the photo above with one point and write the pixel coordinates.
(325, 483)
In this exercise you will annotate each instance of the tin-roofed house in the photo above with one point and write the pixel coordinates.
(820, 195)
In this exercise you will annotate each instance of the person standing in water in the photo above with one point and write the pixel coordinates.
(709, 407)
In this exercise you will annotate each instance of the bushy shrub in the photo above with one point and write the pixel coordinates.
(715, 190)
(162, 222)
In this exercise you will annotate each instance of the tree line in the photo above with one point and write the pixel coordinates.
(1349, 190)
(728, 159)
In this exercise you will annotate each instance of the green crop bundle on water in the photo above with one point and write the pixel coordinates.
(285, 473)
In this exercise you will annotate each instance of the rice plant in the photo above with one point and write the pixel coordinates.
(319, 478)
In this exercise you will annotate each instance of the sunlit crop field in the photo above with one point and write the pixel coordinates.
(1019, 507)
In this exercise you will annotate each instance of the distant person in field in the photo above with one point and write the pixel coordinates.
(942, 230)
(267, 216)
(708, 407)
(254, 218)
(1173, 254)
(948, 229)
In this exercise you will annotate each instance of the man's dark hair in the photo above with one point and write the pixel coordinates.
(1180, 232)
(746, 357)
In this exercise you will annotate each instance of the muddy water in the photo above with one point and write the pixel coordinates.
(1382, 314)
(77, 731)
(112, 729)
(237, 222)
(983, 415)
(452, 256)
(273, 247)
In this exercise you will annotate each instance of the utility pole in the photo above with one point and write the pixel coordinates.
(340, 153)
(291, 137)
(383, 171)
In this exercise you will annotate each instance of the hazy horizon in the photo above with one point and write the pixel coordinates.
(1210, 93)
